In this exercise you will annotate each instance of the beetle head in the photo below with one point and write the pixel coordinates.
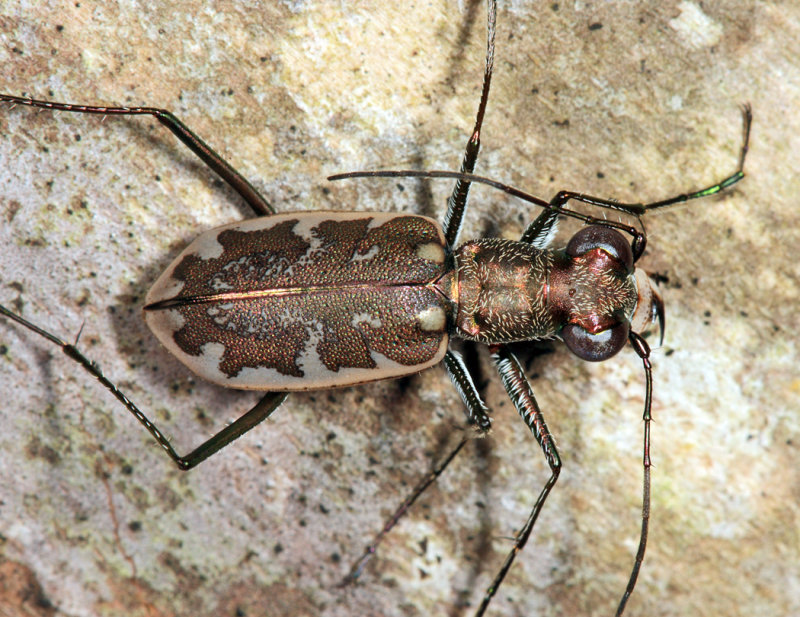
(625, 298)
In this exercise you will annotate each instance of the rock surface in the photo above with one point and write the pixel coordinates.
(635, 101)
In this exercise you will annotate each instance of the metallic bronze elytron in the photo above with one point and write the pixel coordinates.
(294, 301)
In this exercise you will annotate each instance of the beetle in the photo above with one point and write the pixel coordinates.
(346, 298)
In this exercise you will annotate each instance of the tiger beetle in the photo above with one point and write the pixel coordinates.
(315, 300)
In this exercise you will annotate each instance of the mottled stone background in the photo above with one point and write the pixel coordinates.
(631, 100)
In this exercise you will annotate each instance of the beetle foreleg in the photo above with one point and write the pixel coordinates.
(722, 184)
(257, 414)
(542, 230)
(564, 196)
(639, 238)
(521, 395)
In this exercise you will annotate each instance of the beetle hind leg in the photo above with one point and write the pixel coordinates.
(269, 402)
(477, 419)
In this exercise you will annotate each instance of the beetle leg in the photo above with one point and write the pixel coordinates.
(457, 202)
(424, 483)
(477, 417)
(260, 412)
(521, 395)
(542, 230)
(476, 410)
(564, 196)
(722, 184)
(232, 177)
(257, 414)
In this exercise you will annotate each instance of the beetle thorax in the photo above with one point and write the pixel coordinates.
(510, 291)
(501, 291)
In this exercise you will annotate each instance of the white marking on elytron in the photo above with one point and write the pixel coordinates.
(431, 319)
(366, 318)
(219, 284)
(308, 360)
(286, 319)
(303, 228)
(165, 287)
(316, 375)
(431, 251)
(369, 255)
(224, 315)
(164, 324)
(207, 246)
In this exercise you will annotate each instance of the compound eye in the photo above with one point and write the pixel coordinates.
(595, 347)
(599, 237)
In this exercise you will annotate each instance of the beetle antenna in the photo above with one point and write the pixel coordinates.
(455, 175)
(557, 204)
(635, 209)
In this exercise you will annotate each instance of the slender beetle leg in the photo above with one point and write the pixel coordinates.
(268, 403)
(203, 151)
(562, 197)
(457, 202)
(424, 483)
(477, 418)
(639, 239)
(521, 394)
